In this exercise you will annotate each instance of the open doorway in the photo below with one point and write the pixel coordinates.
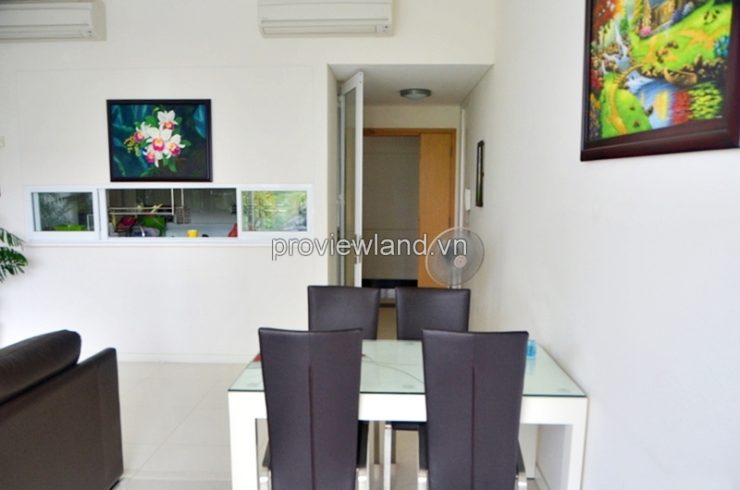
(390, 207)
(435, 191)
(408, 198)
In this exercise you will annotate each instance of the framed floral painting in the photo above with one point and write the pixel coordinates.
(159, 140)
(660, 76)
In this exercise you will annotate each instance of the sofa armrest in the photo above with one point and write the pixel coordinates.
(105, 364)
(65, 433)
(30, 362)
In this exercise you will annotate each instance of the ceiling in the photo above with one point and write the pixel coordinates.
(450, 84)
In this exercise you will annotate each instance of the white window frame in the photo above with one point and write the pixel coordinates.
(160, 186)
(100, 235)
(32, 215)
(266, 237)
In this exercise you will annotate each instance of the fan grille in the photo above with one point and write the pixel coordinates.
(455, 256)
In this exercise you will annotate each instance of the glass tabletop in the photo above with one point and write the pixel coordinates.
(396, 367)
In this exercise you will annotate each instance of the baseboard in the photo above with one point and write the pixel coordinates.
(184, 358)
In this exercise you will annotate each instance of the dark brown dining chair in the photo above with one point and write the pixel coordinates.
(418, 309)
(339, 307)
(312, 389)
(473, 388)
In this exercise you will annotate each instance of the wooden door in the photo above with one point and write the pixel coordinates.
(436, 192)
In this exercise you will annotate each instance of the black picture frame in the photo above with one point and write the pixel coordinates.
(159, 140)
(689, 129)
(479, 173)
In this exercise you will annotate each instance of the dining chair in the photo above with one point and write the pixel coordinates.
(418, 309)
(312, 390)
(431, 309)
(473, 388)
(340, 307)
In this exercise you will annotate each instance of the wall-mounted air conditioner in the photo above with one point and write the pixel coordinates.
(324, 17)
(47, 20)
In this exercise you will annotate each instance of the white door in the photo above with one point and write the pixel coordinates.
(350, 177)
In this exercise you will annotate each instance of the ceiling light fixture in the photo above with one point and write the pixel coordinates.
(415, 93)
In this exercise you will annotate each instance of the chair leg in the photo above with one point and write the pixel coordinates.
(365, 475)
(387, 456)
(393, 446)
(521, 483)
(265, 482)
(264, 474)
(521, 473)
(422, 480)
(376, 439)
(363, 481)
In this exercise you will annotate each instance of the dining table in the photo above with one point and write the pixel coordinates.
(553, 415)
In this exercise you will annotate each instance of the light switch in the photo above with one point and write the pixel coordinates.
(2, 141)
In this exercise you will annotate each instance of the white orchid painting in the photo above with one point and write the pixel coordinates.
(159, 140)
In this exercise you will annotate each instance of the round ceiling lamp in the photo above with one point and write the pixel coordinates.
(415, 93)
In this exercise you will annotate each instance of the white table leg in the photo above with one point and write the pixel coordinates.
(574, 473)
(243, 434)
(560, 455)
(386, 468)
(528, 445)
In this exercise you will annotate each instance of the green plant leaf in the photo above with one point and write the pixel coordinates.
(11, 260)
(10, 239)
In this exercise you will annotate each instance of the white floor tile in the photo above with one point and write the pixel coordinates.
(171, 390)
(151, 423)
(206, 426)
(188, 462)
(217, 397)
(135, 455)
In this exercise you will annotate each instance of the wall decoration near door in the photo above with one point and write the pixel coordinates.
(660, 76)
(159, 140)
(479, 173)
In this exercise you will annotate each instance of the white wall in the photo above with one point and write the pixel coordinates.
(272, 113)
(411, 116)
(627, 271)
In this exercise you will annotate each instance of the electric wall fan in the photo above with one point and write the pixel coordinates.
(454, 257)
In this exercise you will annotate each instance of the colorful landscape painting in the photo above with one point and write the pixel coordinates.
(656, 64)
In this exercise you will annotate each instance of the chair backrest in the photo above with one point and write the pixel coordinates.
(339, 308)
(312, 389)
(420, 309)
(473, 384)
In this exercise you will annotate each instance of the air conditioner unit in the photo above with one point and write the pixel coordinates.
(28, 20)
(324, 17)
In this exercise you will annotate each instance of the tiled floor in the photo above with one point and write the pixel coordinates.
(176, 428)
(175, 425)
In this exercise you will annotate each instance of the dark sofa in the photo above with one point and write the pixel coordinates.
(60, 422)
